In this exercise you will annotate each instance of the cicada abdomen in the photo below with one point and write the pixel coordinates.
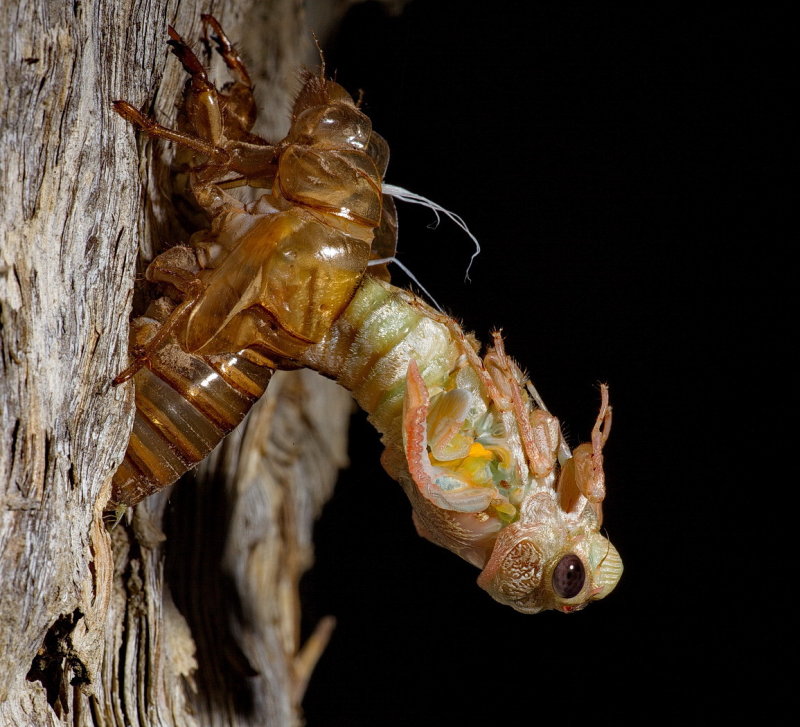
(266, 279)
(185, 404)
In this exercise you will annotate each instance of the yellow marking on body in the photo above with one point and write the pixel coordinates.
(478, 450)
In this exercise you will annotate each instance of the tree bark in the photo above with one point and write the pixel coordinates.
(186, 613)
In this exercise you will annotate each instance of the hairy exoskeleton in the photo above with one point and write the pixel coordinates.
(285, 281)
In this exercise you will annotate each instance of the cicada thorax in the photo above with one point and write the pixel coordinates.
(292, 261)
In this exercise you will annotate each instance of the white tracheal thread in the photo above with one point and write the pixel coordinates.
(393, 259)
(406, 196)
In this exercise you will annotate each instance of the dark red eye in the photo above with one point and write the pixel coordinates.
(569, 576)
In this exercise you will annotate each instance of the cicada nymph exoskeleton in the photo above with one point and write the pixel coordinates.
(282, 282)
(265, 279)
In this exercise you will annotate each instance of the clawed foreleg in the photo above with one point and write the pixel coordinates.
(130, 113)
(191, 288)
(236, 99)
(225, 48)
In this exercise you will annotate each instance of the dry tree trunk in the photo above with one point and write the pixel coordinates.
(186, 619)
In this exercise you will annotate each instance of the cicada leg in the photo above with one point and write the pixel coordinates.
(589, 475)
(444, 487)
(582, 474)
(237, 100)
(191, 288)
(131, 114)
(215, 125)
(205, 110)
(225, 48)
(202, 103)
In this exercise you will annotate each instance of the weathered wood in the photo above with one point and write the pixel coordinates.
(184, 622)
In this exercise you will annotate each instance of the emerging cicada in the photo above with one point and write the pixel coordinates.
(285, 281)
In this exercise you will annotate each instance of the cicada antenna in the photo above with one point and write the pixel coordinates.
(321, 56)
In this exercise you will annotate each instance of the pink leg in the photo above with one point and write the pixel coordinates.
(589, 475)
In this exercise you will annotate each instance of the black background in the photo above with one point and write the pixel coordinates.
(623, 169)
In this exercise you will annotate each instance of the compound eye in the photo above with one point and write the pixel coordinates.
(569, 576)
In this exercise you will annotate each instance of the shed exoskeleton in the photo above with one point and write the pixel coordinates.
(285, 281)
(264, 280)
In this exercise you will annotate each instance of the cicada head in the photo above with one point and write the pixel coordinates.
(545, 561)
(530, 523)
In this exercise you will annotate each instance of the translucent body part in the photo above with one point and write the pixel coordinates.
(266, 279)
(185, 404)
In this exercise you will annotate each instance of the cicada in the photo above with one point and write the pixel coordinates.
(286, 281)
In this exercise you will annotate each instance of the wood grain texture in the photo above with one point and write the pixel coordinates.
(193, 620)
